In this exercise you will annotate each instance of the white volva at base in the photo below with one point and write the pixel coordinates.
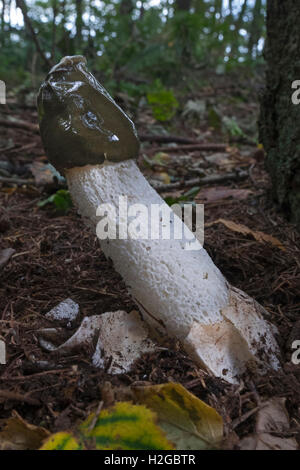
(179, 292)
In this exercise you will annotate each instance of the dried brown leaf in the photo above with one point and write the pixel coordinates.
(20, 435)
(261, 237)
(222, 192)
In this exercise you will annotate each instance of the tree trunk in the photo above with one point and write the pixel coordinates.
(183, 5)
(279, 118)
(142, 10)
(218, 5)
(54, 16)
(9, 7)
(236, 35)
(199, 7)
(126, 7)
(240, 19)
(3, 23)
(79, 23)
(255, 29)
(31, 32)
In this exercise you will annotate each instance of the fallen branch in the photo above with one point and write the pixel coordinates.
(244, 140)
(28, 126)
(13, 180)
(211, 179)
(190, 147)
(21, 149)
(167, 139)
(14, 396)
(21, 378)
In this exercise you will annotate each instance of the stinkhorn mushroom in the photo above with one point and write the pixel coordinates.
(179, 292)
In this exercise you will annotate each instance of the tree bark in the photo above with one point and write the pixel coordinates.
(279, 118)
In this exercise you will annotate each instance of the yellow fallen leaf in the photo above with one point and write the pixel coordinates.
(61, 441)
(188, 422)
(259, 236)
(163, 176)
(161, 158)
(124, 426)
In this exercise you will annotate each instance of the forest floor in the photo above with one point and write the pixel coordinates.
(55, 258)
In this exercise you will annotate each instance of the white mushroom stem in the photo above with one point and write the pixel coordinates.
(179, 292)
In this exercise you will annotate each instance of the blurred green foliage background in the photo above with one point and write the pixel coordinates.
(141, 47)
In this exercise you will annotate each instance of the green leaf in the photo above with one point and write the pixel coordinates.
(191, 193)
(214, 118)
(163, 102)
(61, 200)
(232, 127)
(46, 201)
(186, 197)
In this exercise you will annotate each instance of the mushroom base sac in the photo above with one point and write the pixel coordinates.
(179, 292)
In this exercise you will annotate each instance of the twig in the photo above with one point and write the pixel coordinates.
(200, 181)
(96, 291)
(9, 148)
(23, 148)
(94, 420)
(255, 393)
(38, 374)
(243, 418)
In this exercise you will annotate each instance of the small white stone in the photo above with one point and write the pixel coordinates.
(66, 311)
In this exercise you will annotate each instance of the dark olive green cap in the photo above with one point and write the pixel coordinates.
(80, 123)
